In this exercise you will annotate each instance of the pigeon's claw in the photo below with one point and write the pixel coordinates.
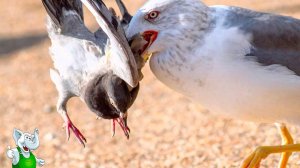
(122, 124)
(113, 127)
(77, 133)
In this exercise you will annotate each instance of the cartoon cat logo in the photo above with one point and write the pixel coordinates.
(21, 156)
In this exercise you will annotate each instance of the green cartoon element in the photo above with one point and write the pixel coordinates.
(22, 156)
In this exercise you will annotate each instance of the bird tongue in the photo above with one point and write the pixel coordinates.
(123, 124)
(150, 36)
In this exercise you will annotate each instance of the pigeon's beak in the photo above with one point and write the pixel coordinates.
(122, 121)
(123, 116)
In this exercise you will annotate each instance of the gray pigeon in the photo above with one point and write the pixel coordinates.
(97, 67)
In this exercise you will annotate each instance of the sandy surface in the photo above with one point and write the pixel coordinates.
(167, 129)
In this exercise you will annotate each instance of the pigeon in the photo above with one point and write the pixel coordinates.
(98, 67)
(126, 17)
(236, 62)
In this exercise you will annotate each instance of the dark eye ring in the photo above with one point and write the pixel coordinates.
(152, 15)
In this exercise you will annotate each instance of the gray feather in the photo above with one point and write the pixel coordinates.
(275, 38)
(122, 60)
(126, 17)
(75, 51)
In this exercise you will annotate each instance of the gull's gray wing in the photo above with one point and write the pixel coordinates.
(121, 58)
(275, 38)
(76, 53)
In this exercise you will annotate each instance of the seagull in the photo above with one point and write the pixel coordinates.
(236, 62)
(99, 67)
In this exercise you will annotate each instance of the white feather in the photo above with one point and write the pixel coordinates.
(213, 70)
(76, 60)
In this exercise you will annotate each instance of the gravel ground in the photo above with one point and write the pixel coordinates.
(167, 129)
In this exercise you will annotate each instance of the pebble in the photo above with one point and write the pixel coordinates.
(49, 137)
(48, 108)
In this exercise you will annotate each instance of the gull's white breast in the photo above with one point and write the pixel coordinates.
(218, 76)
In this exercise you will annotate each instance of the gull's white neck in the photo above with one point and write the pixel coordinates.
(178, 63)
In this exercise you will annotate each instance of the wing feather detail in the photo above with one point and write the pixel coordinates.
(121, 59)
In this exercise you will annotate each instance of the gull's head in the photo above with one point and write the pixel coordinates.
(163, 22)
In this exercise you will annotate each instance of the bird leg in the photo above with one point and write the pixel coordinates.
(113, 127)
(122, 122)
(286, 139)
(69, 125)
(254, 159)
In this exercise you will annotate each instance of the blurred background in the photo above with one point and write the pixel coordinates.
(168, 130)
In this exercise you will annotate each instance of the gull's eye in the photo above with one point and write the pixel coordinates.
(152, 15)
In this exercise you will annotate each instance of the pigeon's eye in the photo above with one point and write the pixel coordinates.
(112, 102)
(152, 15)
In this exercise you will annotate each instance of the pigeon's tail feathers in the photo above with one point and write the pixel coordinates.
(126, 17)
(58, 9)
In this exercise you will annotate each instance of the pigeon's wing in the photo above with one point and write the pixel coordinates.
(54, 9)
(275, 39)
(121, 59)
(126, 17)
(76, 53)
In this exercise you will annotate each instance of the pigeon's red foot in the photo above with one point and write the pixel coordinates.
(78, 134)
(122, 124)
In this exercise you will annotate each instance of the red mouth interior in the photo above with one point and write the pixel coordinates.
(25, 148)
(150, 36)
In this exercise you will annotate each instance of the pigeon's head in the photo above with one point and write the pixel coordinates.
(163, 23)
(108, 96)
